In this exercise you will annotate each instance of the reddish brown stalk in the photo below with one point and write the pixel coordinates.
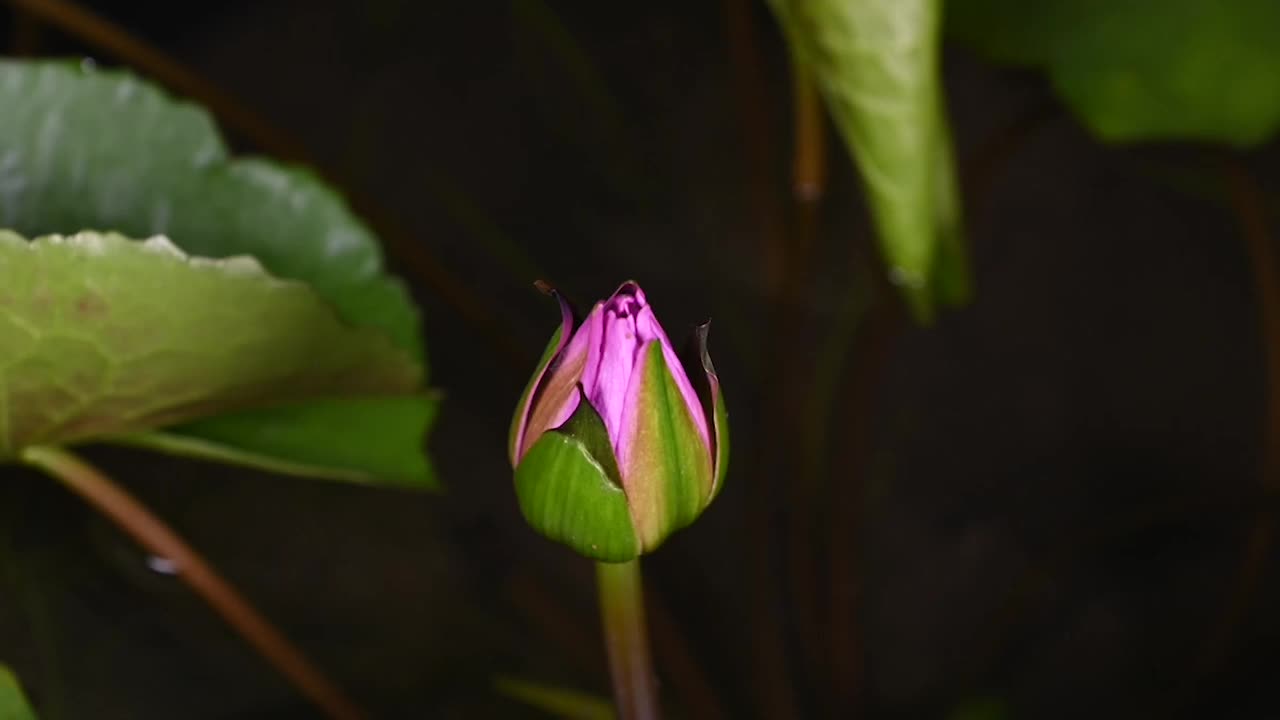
(809, 158)
(758, 137)
(1246, 200)
(25, 35)
(870, 353)
(808, 185)
(153, 534)
(772, 682)
(82, 24)
(110, 38)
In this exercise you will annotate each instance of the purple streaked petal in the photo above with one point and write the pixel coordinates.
(639, 494)
(613, 354)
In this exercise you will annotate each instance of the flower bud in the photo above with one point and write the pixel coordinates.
(614, 448)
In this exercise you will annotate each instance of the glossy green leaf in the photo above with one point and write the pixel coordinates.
(81, 148)
(1177, 69)
(312, 436)
(86, 149)
(101, 335)
(568, 490)
(877, 64)
(668, 469)
(13, 704)
(556, 701)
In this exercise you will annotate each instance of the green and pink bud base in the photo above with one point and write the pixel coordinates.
(616, 444)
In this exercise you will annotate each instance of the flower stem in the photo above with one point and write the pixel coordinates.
(622, 609)
(152, 533)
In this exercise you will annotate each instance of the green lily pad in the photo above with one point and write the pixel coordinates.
(1173, 70)
(13, 704)
(877, 64)
(82, 148)
(101, 335)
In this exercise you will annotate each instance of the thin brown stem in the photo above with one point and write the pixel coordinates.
(758, 136)
(870, 353)
(25, 34)
(97, 32)
(809, 157)
(772, 680)
(153, 534)
(804, 542)
(622, 611)
(1247, 202)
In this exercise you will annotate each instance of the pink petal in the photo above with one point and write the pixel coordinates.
(557, 397)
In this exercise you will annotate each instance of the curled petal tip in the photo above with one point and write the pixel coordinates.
(568, 316)
(631, 288)
(551, 361)
(700, 334)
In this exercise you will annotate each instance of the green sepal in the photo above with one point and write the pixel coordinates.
(522, 410)
(721, 423)
(696, 360)
(668, 473)
(568, 489)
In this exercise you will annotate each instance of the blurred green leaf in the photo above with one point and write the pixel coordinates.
(102, 335)
(312, 436)
(13, 704)
(876, 62)
(1177, 69)
(555, 701)
(80, 148)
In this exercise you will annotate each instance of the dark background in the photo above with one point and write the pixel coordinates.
(1039, 506)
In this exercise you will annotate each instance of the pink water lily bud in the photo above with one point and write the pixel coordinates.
(616, 443)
